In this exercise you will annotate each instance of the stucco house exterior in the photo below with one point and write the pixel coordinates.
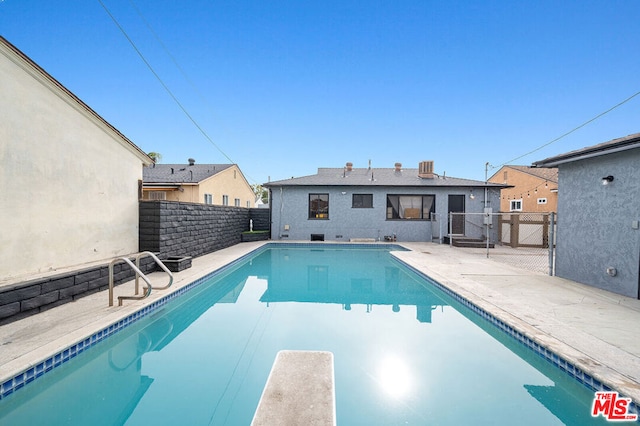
(69, 181)
(531, 190)
(219, 184)
(406, 204)
(598, 237)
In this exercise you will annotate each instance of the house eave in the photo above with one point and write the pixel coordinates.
(617, 145)
(36, 71)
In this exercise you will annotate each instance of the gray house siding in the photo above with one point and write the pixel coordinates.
(290, 213)
(597, 224)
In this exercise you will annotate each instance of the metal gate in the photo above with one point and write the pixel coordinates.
(524, 240)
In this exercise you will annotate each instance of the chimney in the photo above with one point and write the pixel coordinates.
(349, 166)
(425, 169)
(398, 167)
(191, 161)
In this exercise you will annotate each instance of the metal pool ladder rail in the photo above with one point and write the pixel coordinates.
(136, 268)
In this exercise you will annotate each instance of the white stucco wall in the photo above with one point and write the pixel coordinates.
(68, 181)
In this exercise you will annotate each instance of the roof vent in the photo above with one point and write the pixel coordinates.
(398, 167)
(425, 169)
(191, 161)
(349, 166)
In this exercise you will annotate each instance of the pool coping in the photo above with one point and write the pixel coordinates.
(577, 364)
(523, 334)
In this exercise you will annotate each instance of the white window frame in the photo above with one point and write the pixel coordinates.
(513, 207)
(225, 200)
(236, 202)
(208, 198)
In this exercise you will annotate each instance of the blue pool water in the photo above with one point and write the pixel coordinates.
(405, 353)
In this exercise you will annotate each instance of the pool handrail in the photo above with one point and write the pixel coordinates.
(139, 273)
(159, 263)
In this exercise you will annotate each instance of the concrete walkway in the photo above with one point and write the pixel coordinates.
(594, 329)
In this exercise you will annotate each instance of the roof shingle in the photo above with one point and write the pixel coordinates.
(376, 177)
(181, 173)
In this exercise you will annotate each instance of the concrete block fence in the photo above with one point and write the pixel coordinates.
(166, 228)
(190, 229)
(34, 296)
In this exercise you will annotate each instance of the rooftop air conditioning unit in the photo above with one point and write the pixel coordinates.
(425, 169)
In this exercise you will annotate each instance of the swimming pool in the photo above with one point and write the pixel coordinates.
(405, 352)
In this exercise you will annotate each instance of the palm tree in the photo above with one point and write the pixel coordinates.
(155, 156)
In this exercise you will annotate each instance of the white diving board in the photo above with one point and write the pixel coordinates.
(300, 390)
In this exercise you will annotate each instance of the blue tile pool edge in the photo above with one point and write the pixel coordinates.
(32, 373)
(563, 364)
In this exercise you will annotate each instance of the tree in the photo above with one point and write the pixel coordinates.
(155, 156)
(261, 192)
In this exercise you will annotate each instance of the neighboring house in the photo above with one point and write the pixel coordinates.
(220, 184)
(69, 180)
(375, 203)
(531, 190)
(598, 237)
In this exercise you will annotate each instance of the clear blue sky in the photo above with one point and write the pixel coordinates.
(285, 87)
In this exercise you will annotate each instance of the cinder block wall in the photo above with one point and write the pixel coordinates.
(27, 298)
(166, 229)
(192, 229)
(261, 219)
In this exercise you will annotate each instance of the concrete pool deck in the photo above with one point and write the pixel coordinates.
(594, 329)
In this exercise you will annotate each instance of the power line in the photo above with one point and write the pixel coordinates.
(571, 131)
(166, 50)
(166, 88)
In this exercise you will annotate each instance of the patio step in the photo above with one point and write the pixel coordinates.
(470, 242)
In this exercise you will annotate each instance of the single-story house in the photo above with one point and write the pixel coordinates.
(220, 184)
(69, 185)
(532, 190)
(403, 204)
(598, 237)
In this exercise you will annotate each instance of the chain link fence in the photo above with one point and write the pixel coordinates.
(523, 240)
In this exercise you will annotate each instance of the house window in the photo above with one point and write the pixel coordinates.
(248, 204)
(515, 205)
(157, 195)
(542, 201)
(236, 202)
(225, 200)
(208, 198)
(362, 201)
(410, 206)
(318, 206)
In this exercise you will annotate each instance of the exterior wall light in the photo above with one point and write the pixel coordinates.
(471, 195)
(607, 180)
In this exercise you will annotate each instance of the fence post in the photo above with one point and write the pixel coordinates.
(515, 230)
(552, 222)
(450, 229)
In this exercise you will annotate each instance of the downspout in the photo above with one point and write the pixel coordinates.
(270, 214)
(280, 215)
(486, 169)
